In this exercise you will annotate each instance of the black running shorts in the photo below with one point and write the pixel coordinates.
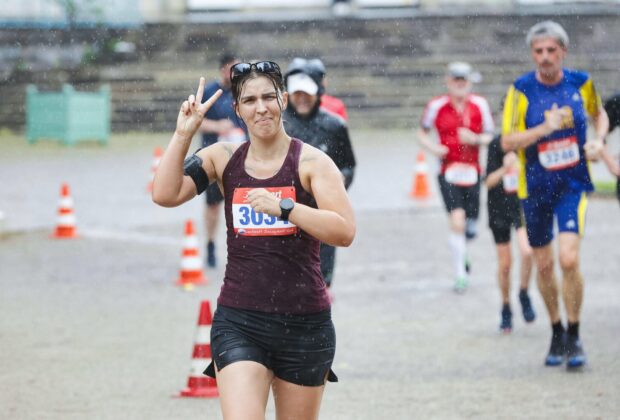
(455, 197)
(501, 224)
(298, 348)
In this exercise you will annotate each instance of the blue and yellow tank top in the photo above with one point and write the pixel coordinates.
(556, 162)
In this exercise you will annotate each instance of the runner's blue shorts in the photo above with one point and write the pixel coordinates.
(568, 207)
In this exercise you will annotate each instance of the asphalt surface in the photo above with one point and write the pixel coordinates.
(94, 328)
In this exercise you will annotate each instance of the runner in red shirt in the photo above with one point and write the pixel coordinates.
(463, 123)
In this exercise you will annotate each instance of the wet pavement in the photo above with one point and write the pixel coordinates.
(94, 328)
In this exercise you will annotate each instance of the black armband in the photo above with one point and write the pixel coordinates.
(192, 167)
(347, 173)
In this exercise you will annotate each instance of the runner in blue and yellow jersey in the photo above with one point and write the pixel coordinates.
(545, 119)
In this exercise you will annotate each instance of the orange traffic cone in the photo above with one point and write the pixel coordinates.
(420, 188)
(65, 229)
(156, 158)
(191, 265)
(198, 384)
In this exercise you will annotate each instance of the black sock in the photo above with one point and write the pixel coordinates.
(506, 307)
(573, 329)
(523, 292)
(558, 329)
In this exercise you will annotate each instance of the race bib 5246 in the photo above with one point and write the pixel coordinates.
(559, 154)
(248, 222)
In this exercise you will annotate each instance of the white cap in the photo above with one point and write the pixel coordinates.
(459, 69)
(301, 82)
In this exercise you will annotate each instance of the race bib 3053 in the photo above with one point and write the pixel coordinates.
(247, 222)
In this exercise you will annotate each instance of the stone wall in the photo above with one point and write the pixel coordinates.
(384, 69)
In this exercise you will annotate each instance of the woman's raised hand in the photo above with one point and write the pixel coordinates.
(192, 111)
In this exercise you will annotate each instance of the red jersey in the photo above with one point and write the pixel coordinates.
(335, 106)
(441, 114)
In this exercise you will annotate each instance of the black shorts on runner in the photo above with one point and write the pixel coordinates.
(504, 217)
(456, 197)
(213, 194)
(501, 225)
(298, 348)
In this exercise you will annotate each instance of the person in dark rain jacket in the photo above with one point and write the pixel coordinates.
(304, 119)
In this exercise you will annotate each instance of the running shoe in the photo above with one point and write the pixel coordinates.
(211, 261)
(526, 306)
(557, 350)
(575, 357)
(460, 285)
(506, 325)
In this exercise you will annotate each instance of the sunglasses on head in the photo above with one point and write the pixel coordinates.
(241, 69)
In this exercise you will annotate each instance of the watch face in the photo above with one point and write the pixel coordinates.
(287, 204)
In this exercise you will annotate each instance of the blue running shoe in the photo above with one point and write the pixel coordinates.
(557, 350)
(211, 261)
(506, 325)
(575, 357)
(526, 306)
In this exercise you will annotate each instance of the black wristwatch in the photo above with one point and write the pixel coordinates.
(286, 206)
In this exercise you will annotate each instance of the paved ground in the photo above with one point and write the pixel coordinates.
(94, 329)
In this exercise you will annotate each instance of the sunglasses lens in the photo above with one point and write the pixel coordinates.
(239, 69)
(267, 67)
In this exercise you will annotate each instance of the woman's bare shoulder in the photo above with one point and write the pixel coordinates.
(312, 155)
(220, 149)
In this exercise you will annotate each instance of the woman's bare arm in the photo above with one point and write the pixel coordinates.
(170, 187)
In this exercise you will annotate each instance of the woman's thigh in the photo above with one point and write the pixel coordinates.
(297, 402)
(244, 390)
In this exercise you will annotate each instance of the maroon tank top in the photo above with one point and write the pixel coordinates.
(272, 265)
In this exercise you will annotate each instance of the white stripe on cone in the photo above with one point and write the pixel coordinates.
(191, 263)
(191, 242)
(66, 202)
(66, 220)
(198, 367)
(203, 334)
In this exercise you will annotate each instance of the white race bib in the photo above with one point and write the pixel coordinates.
(236, 135)
(247, 222)
(559, 154)
(461, 174)
(510, 181)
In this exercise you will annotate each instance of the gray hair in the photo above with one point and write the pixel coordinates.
(547, 29)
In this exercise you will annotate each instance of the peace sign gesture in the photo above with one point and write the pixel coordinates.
(192, 111)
